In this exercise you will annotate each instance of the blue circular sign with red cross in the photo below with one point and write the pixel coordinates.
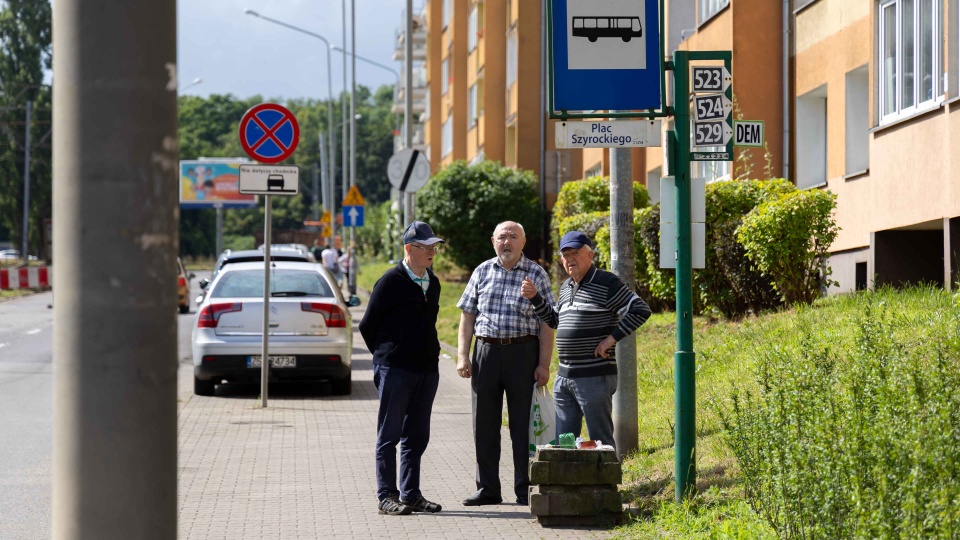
(269, 133)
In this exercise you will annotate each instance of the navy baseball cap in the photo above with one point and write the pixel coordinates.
(575, 240)
(419, 231)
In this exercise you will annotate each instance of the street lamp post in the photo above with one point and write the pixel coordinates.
(194, 82)
(331, 161)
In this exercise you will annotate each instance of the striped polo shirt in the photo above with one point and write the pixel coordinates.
(587, 312)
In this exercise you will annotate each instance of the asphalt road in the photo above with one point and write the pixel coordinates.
(26, 409)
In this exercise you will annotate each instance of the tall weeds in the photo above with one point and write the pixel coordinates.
(853, 430)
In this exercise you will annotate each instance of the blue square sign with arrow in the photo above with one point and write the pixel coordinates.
(353, 216)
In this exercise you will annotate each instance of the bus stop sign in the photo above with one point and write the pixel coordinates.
(606, 55)
(269, 133)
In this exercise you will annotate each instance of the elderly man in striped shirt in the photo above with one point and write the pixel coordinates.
(594, 312)
(513, 350)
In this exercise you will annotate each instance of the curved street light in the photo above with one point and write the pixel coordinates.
(331, 148)
(194, 82)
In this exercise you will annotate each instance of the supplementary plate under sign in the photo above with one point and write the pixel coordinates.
(275, 361)
(710, 156)
(270, 179)
(607, 134)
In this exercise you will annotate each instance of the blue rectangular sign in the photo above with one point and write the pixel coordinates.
(353, 216)
(606, 55)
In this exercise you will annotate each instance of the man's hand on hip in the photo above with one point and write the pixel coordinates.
(602, 349)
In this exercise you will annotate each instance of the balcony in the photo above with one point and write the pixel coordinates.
(419, 41)
(418, 137)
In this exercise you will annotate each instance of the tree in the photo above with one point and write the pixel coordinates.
(25, 37)
(463, 204)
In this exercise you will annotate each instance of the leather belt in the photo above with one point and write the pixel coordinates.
(507, 341)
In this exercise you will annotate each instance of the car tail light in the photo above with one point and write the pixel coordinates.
(332, 314)
(182, 282)
(210, 316)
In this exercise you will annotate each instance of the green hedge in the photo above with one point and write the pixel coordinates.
(464, 203)
(852, 429)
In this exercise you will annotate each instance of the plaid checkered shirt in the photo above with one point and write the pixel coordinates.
(493, 295)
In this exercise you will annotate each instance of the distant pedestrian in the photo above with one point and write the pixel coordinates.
(344, 262)
(400, 328)
(317, 251)
(512, 350)
(595, 311)
(330, 259)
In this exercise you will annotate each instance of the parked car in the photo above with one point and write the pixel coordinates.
(183, 287)
(250, 255)
(311, 332)
(13, 255)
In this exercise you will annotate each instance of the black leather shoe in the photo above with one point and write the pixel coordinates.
(481, 500)
(522, 501)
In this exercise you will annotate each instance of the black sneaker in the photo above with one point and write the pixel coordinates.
(393, 507)
(420, 504)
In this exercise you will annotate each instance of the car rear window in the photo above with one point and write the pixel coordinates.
(249, 284)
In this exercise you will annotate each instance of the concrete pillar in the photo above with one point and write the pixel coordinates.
(622, 260)
(115, 215)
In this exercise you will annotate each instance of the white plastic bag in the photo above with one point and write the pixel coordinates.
(543, 419)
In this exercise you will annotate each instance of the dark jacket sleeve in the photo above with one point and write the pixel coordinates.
(370, 323)
(545, 311)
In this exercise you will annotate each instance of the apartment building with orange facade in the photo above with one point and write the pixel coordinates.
(858, 96)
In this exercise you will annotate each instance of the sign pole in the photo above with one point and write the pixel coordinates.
(684, 359)
(264, 355)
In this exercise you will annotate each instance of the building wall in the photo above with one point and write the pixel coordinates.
(434, 54)
(494, 45)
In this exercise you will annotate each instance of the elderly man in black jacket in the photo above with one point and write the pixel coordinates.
(400, 328)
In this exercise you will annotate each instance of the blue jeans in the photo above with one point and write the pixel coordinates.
(590, 397)
(406, 401)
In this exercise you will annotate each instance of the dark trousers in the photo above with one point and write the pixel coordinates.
(406, 401)
(498, 369)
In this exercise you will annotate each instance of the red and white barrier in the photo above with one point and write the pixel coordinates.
(26, 277)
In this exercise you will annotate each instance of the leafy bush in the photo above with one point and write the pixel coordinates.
(464, 203)
(641, 269)
(851, 430)
(371, 243)
(587, 196)
(729, 283)
(788, 239)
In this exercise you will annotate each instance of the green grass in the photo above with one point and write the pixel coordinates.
(14, 293)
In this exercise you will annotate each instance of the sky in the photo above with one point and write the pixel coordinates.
(235, 53)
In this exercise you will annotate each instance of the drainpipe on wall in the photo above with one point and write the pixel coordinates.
(786, 89)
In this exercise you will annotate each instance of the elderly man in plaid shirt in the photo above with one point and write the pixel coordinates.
(512, 351)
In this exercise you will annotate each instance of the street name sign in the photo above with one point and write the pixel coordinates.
(606, 55)
(711, 79)
(270, 179)
(408, 170)
(748, 133)
(353, 216)
(711, 107)
(269, 133)
(711, 134)
(600, 134)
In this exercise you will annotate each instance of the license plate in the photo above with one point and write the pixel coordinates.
(275, 361)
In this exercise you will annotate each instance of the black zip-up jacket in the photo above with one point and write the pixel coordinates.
(400, 323)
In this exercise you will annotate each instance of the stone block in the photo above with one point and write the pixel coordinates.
(575, 455)
(572, 473)
(574, 500)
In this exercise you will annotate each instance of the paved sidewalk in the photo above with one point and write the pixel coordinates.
(304, 467)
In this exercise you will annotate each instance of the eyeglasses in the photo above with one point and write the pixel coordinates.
(429, 249)
(573, 254)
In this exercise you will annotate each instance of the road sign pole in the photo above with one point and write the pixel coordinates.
(684, 359)
(264, 351)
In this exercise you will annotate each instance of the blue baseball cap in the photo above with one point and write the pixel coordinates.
(419, 231)
(575, 240)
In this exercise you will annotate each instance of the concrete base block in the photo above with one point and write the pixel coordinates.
(603, 520)
(574, 500)
(567, 473)
(575, 455)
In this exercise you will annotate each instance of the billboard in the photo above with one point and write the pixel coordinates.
(212, 184)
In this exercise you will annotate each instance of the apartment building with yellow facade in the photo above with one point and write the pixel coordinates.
(858, 96)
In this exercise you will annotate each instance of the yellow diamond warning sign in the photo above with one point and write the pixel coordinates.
(325, 218)
(354, 198)
(326, 232)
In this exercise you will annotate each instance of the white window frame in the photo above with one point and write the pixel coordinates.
(709, 8)
(447, 12)
(472, 28)
(472, 112)
(512, 59)
(444, 76)
(446, 137)
(917, 106)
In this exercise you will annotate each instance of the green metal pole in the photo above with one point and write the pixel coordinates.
(684, 360)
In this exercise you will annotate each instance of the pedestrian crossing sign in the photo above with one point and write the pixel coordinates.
(354, 198)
